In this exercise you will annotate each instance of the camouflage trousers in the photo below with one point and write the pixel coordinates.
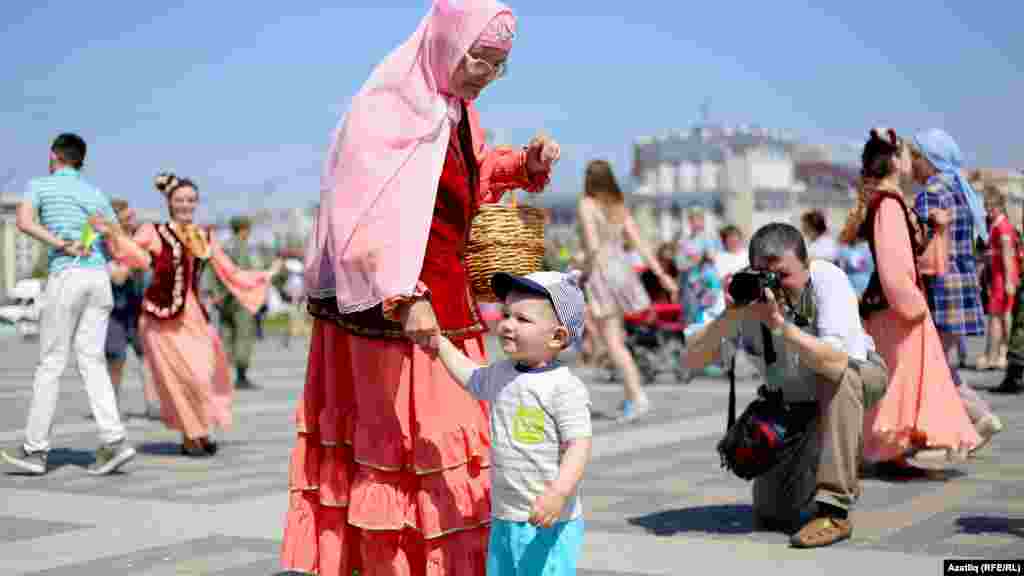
(1015, 344)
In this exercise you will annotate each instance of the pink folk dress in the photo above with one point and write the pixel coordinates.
(390, 471)
(183, 352)
(921, 407)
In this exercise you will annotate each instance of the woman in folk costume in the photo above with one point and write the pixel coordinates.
(920, 420)
(389, 474)
(182, 350)
(954, 296)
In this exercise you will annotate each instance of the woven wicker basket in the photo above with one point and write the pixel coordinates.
(503, 238)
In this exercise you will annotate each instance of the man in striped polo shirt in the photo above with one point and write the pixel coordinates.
(77, 308)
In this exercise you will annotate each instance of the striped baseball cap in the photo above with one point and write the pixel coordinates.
(562, 289)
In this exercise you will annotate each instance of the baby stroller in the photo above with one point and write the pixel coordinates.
(655, 335)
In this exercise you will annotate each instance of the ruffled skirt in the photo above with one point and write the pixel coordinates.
(921, 408)
(390, 471)
(189, 368)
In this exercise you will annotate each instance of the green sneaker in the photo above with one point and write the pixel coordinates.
(31, 462)
(110, 457)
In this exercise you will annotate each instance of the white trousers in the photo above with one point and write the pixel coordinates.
(76, 313)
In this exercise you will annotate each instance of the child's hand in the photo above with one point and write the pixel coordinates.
(547, 508)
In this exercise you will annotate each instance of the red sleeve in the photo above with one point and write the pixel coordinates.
(502, 168)
(1005, 230)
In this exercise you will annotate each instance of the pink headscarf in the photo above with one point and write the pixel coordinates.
(380, 178)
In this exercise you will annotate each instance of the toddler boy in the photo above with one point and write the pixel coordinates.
(540, 425)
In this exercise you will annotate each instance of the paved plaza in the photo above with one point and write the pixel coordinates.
(656, 499)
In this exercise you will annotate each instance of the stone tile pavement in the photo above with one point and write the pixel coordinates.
(656, 500)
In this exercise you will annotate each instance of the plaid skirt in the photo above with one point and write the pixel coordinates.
(955, 300)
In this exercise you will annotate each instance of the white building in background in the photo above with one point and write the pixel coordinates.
(18, 252)
(1011, 181)
(284, 232)
(829, 188)
(746, 176)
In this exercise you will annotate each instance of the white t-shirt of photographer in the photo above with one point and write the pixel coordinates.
(836, 322)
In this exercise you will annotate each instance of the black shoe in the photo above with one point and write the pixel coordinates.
(768, 524)
(195, 451)
(1013, 383)
(209, 446)
(246, 385)
(898, 470)
(1008, 386)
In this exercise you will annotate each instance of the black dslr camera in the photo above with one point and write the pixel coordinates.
(748, 285)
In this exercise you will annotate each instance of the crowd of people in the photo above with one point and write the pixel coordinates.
(113, 285)
(383, 482)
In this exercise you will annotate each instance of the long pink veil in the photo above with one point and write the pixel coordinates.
(382, 169)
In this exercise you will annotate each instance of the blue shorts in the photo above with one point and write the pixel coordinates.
(522, 549)
(121, 333)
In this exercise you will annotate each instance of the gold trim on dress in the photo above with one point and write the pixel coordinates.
(178, 290)
(194, 238)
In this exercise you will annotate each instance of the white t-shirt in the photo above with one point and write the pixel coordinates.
(837, 322)
(534, 413)
(295, 287)
(729, 263)
(824, 248)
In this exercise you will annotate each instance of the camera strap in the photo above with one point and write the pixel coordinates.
(804, 315)
(806, 310)
(730, 418)
(769, 358)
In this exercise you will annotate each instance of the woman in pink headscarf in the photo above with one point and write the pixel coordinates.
(390, 473)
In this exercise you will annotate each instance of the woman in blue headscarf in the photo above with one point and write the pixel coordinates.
(954, 296)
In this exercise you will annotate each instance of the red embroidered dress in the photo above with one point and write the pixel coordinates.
(183, 352)
(175, 272)
(390, 467)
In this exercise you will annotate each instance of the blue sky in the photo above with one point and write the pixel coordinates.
(242, 95)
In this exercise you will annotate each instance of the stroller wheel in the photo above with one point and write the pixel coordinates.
(683, 375)
(612, 374)
(647, 365)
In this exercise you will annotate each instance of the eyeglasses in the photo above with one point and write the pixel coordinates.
(481, 67)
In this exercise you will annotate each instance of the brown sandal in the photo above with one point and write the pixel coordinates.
(822, 531)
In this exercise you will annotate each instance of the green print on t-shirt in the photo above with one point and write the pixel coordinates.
(528, 425)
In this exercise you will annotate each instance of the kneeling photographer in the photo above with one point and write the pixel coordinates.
(800, 322)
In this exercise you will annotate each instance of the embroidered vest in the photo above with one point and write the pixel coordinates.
(874, 300)
(175, 272)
